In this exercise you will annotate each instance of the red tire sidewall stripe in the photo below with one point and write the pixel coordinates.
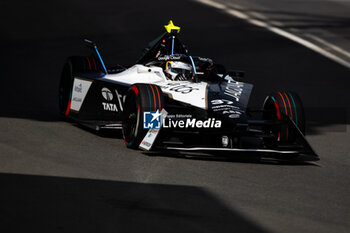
(126, 142)
(285, 106)
(290, 106)
(68, 109)
(154, 98)
(135, 89)
(160, 103)
(277, 110)
(278, 116)
(87, 58)
(93, 59)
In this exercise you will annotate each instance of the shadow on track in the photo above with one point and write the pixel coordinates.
(234, 157)
(252, 158)
(55, 204)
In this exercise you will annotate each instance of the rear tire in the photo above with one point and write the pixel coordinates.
(279, 106)
(140, 98)
(72, 66)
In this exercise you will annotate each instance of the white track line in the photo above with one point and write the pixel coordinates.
(283, 33)
(334, 47)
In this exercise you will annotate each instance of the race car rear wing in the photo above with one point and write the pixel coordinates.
(90, 44)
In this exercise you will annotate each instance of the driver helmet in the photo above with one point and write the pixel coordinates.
(178, 70)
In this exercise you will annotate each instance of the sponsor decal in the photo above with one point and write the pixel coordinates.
(152, 134)
(149, 139)
(226, 107)
(108, 96)
(221, 102)
(146, 144)
(180, 88)
(204, 59)
(77, 99)
(169, 57)
(183, 89)
(229, 99)
(78, 88)
(232, 114)
(121, 99)
(110, 107)
(234, 89)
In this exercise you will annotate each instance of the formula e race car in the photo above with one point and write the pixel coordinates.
(170, 100)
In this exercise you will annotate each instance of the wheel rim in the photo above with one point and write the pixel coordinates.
(130, 123)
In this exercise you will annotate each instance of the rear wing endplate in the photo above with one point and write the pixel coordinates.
(93, 46)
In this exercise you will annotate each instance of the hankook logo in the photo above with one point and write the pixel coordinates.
(107, 94)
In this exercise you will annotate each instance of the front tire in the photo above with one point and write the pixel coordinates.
(140, 98)
(281, 105)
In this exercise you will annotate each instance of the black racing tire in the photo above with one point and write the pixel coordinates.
(282, 104)
(140, 98)
(72, 66)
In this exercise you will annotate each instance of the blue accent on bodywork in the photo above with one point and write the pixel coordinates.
(172, 46)
(99, 56)
(193, 65)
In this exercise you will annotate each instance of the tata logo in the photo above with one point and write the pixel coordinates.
(109, 104)
(107, 94)
(110, 107)
(152, 120)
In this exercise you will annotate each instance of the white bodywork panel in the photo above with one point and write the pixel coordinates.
(139, 74)
(185, 91)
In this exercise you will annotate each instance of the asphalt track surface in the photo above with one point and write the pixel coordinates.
(58, 177)
(324, 23)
